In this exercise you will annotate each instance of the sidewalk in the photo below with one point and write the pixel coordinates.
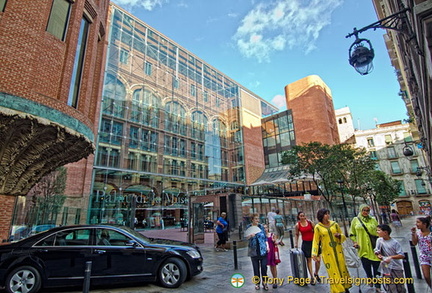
(219, 266)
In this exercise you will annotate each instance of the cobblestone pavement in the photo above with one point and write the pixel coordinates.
(219, 267)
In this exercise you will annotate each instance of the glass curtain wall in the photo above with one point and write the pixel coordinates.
(165, 131)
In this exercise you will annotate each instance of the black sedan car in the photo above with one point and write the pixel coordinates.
(58, 258)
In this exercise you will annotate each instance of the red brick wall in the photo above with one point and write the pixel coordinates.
(253, 153)
(313, 112)
(79, 176)
(38, 66)
(7, 204)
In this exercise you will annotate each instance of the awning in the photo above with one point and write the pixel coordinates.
(276, 175)
(103, 186)
(142, 189)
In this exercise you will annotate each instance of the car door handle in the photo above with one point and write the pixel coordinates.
(99, 251)
(43, 250)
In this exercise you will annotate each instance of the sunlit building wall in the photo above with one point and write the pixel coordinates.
(386, 144)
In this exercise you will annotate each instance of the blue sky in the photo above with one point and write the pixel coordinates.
(267, 44)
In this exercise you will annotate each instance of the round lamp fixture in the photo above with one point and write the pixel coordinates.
(361, 55)
(407, 151)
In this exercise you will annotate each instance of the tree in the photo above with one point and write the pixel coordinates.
(330, 164)
(47, 198)
(384, 188)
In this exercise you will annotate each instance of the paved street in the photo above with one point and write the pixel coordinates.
(219, 267)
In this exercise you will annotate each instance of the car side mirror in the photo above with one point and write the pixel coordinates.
(132, 243)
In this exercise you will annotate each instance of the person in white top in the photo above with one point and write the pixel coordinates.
(389, 251)
(271, 220)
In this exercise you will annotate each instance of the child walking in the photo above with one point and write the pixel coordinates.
(389, 251)
(421, 234)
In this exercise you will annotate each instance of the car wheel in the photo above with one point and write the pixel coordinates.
(172, 273)
(25, 279)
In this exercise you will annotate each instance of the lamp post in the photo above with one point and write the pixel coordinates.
(361, 53)
(345, 211)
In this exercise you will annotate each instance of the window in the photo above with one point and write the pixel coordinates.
(175, 83)
(193, 90)
(78, 64)
(407, 137)
(2, 5)
(148, 68)
(395, 167)
(205, 96)
(388, 139)
(58, 19)
(133, 137)
(373, 155)
(414, 165)
(124, 56)
(391, 153)
(402, 190)
(420, 186)
(370, 142)
(107, 237)
(68, 238)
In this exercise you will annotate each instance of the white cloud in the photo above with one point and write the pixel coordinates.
(279, 101)
(146, 4)
(279, 24)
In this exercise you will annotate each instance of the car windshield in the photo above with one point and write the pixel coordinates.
(136, 234)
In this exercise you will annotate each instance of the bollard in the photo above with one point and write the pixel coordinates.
(235, 255)
(87, 274)
(408, 273)
(416, 260)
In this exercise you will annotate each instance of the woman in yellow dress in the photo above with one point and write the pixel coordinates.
(329, 235)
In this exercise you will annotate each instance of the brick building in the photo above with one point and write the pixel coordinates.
(313, 112)
(52, 59)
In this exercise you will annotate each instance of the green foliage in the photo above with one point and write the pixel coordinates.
(383, 187)
(330, 164)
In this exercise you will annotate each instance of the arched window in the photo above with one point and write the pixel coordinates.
(199, 125)
(175, 118)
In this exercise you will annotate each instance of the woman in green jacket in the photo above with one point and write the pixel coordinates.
(362, 228)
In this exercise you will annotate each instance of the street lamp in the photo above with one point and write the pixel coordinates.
(361, 53)
(345, 211)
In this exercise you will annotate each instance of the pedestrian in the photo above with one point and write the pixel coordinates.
(280, 227)
(305, 228)
(273, 257)
(384, 217)
(258, 248)
(389, 251)
(329, 234)
(363, 234)
(222, 232)
(421, 234)
(395, 219)
(271, 220)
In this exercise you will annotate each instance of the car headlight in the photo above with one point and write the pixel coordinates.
(193, 253)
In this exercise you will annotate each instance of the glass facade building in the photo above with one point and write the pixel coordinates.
(171, 126)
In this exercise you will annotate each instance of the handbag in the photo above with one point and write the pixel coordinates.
(277, 256)
(373, 238)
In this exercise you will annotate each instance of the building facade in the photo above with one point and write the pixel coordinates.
(311, 103)
(52, 60)
(345, 124)
(172, 128)
(387, 145)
